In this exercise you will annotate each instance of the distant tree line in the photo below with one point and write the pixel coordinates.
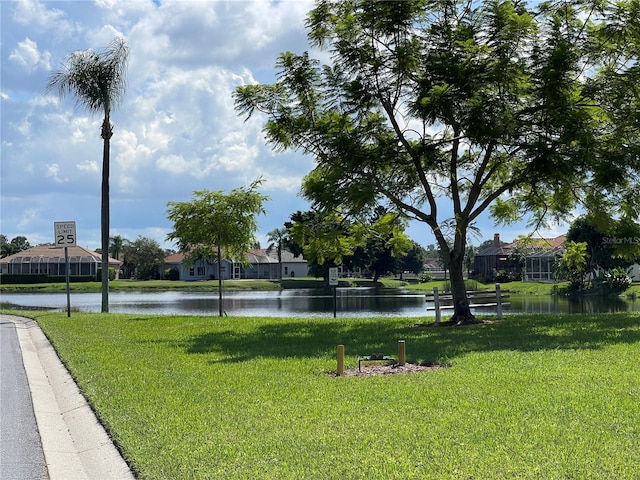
(598, 253)
(14, 246)
(375, 245)
(141, 259)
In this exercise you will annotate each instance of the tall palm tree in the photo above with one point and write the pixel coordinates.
(276, 239)
(116, 245)
(98, 81)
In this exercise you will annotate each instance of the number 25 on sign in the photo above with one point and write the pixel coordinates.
(65, 234)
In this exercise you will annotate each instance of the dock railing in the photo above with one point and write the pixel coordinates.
(477, 299)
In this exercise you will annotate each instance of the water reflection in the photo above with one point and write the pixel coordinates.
(353, 302)
(552, 304)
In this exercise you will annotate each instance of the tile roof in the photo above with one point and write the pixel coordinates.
(49, 253)
(543, 244)
(255, 256)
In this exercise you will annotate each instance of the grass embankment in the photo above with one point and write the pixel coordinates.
(519, 288)
(191, 286)
(516, 288)
(237, 398)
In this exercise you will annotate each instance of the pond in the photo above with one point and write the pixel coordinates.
(351, 302)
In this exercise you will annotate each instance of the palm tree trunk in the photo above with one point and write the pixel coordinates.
(104, 210)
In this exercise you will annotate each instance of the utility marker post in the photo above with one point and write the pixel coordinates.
(340, 359)
(402, 353)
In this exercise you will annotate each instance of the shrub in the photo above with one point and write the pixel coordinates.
(425, 277)
(112, 274)
(613, 282)
(505, 276)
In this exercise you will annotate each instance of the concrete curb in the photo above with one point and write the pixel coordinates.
(75, 444)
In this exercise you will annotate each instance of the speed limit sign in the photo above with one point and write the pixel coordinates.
(65, 234)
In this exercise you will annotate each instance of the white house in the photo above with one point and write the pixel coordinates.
(262, 264)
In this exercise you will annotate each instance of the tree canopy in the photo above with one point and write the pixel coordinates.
(520, 109)
(375, 244)
(215, 224)
(17, 244)
(610, 243)
(143, 258)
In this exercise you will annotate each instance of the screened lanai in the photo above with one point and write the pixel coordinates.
(540, 266)
(46, 259)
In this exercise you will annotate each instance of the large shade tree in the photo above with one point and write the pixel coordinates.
(499, 106)
(216, 225)
(98, 81)
(143, 258)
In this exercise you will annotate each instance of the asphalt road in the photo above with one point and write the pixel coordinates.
(21, 453)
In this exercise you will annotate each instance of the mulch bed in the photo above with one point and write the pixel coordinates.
(373, 370)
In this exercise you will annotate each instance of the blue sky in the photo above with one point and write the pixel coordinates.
(176, 130)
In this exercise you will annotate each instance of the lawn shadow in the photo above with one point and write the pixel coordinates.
(299, 338)
(319, 338)
(532, 333)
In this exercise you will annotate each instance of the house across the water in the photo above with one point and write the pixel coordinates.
(49, 260)
(506, 258)
(261, 264)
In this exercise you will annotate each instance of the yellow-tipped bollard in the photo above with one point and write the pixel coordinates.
(402, 354)
(340, 355)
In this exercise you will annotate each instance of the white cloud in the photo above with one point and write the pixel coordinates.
(32, 13)
(177, 164)
(53, 171)
(90, 166)
(28, 216)
(28, 56)
(100, 38)
(24, 127)
(81, 128)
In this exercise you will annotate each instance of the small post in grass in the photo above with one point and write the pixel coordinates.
(436, 303)
(498, 301)
(402, 356)
(340, 355)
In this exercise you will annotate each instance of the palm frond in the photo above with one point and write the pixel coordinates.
(96, 79)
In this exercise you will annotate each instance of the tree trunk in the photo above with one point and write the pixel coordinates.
(455, 259)
(107, 131)
(461, 311)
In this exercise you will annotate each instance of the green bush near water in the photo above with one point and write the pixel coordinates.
(194, 397)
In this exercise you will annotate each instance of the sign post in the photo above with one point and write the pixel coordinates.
(333, 282)
(65, 236)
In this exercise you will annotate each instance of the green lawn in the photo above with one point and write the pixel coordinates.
(250, 398)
